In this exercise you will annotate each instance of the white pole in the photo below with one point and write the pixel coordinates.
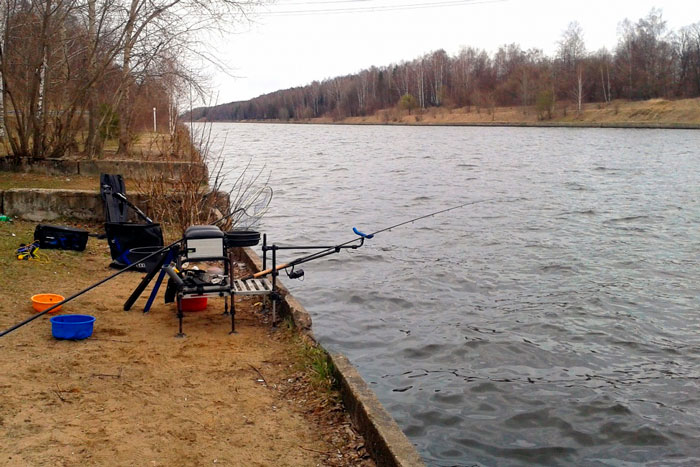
(154, 120)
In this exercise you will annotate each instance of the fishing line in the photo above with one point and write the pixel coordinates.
(430, 215)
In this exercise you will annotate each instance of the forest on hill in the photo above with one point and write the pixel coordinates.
(649, 61)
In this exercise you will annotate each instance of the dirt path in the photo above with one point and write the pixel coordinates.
(133, 394)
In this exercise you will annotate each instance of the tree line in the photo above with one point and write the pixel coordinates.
(649, 61)
(77, 73)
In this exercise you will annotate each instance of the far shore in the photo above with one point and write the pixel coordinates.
(652, 114)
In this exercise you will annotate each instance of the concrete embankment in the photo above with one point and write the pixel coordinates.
(129, 169)
(384, 439)
(41, 204)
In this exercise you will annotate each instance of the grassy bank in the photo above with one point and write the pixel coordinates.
(9, 180)
(655, 113)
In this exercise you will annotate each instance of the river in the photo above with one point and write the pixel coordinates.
(556, 321)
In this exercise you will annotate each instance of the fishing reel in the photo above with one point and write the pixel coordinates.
(295, 274)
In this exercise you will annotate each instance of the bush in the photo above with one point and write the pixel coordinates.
(408, 102)
(544, 105)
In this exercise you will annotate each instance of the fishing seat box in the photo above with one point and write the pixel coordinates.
(204, 242)
(60, 238)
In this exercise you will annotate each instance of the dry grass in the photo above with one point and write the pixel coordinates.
(659, 112)
(9, 180)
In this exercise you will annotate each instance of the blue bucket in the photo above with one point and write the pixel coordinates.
(72, 326)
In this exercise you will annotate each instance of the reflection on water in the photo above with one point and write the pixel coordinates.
(557, 323)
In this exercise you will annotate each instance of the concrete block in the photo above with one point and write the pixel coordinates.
(139, 170)
(39, 166)
(40, 204)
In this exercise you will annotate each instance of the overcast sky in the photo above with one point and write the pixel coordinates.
(279, 50)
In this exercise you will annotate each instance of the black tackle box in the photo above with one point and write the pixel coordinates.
(60, 237)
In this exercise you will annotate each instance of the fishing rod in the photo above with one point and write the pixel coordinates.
(99, 283)
(78, 294)
(329, 250)
(121, 197)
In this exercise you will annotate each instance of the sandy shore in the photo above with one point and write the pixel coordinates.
(133, 394)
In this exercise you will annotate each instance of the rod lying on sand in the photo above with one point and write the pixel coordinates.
(360, 238)
(78, 294)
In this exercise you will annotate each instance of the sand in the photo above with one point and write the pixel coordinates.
(134, 394)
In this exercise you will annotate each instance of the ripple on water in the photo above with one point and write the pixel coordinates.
(554, 324)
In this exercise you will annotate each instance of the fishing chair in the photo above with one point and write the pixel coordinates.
(128, 241)
(202, 243)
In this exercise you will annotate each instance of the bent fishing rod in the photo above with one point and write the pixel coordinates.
(99, 283)
(329, 250)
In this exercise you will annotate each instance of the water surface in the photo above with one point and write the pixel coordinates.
(555, 322)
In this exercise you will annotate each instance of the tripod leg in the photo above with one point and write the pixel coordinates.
(154, 292)
(144, 283)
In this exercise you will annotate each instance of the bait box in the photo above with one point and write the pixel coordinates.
(203, 242)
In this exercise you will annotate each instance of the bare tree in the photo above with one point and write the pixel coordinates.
(4, 17)
(571, 54)
(67, 64)
(687, 46)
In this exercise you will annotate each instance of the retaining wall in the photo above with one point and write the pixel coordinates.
(131, 169)
(43, 204)
(387, 444)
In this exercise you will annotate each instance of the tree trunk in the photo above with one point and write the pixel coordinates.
(91, 146)
(2, 88)
(125, 97)
(39, 119)
(580, 89)
(602, 82)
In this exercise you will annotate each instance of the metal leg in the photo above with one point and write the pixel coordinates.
(179, 316)
(264, 251)
(228, 271)
(144, 282)
(273, 295)
(274, 312)
(168, 259)
(233, 315)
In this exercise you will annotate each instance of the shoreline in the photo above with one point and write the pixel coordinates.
(602, 125)
(682, 114)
